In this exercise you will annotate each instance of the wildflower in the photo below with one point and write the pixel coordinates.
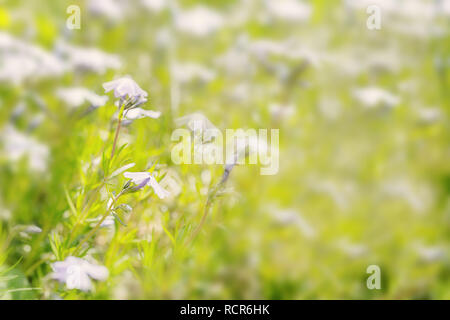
(76, 273)
(108, 222)
(188, 72)
(155, 5)
(26, 231)
(110, 9)
(429, 115)
(196, 120)
(200, 21)
(353, 250)
(372, 97)
(76, 96)
(289, 10)
(294, 218)
(32, 229)
(17, 145)
(281, 111)
(22, 61)
(430, 253)
(126, 87)
(139, 113)
(91, 59)
(142, 179)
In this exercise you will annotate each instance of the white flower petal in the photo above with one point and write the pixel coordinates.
(160, 191)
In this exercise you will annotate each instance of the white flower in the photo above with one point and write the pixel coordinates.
(108, 8)
(76, 273)
(126, 87)
(281, 111)
(430, 253)
(155, 5)
(195, 121)
(141, 179)
(17, 145)
(32, 229)
(187, 72)
(91, 59)
(429, 115)
(200, 21)
(139, 113)
(76, 96)
(290, 10)
(21, 61)
(372, 97)
(294, 218)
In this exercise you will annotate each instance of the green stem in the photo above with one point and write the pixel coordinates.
(116, 136)
(91, 233)
(89, 203)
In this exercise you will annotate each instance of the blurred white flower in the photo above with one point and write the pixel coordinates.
(195, 121)
(76, 273)
(429, 115)
(199, 21)
(353, 250)
(77, 96)
(139, 113)
(371, 97)
(292, 217)
(289, 10)
(17, 145)
(281, 111)
(5, 214)
(20, 61)
(110, 9)
(289, 49)
(430, 253)
(126, 87)
(418, 196)
(90, 59)
(108, 222)
(187, 72)
(32, 229)
(142, 179)
(155, 5)
(236, 61)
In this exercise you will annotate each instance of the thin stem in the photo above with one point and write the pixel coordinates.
(209, 200)
(89, 235)
(202, 221)
(86, 238)
(119, 124)
(84, 212)
(115, 138)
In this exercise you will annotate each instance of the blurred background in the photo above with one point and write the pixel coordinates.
(363, 115)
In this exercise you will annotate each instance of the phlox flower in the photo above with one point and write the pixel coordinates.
(371, 97)
(142, 179)
(126, 87)
(76, 96)
(139, 113)
(199, 21)
(110, 9)
(87, 58)
(289, 10)
(17, 145)
(76, 273)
